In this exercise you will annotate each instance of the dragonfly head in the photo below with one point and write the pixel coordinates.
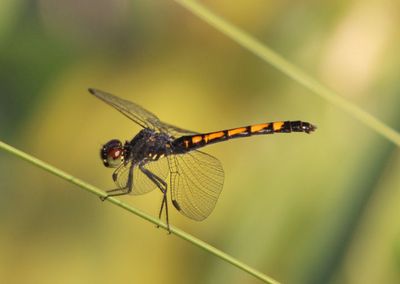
(112, 153)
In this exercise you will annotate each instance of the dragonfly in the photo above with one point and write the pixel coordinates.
(167, 157)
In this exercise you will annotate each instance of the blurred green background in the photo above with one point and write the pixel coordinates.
(320, 208)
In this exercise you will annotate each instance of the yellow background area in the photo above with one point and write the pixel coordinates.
(318, 208)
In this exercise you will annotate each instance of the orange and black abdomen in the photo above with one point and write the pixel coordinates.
(187, 143)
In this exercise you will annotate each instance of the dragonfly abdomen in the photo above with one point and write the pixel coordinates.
(187, 143)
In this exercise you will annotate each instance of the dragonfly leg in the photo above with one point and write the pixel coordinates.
(123, 190)
(162, 185)
(164, 201)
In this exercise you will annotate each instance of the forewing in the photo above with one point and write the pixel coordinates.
(141, 183)
(140, 115)
(196, 181)
(133, 111)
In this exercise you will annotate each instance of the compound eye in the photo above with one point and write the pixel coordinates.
(112, 154)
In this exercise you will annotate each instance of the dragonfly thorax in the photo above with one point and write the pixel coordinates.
(148, 145)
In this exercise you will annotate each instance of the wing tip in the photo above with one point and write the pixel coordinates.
(176, 205)
(92, 91)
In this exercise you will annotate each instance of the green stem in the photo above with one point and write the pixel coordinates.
(92, 189)
(271, 57)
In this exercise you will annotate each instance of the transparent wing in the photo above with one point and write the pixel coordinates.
(175, 131)
(131, 110)
(141, 183)
(196, 180)
(139, 115)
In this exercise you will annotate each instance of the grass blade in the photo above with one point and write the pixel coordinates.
(280, 63)
(183, 235)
